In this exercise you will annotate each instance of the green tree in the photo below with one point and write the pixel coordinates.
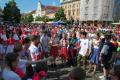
(27, 19)
(60, 15)
(30, 18)
(43, 18)
(38, 19)
(11, 12)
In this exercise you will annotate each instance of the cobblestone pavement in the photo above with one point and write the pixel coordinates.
(61, 72)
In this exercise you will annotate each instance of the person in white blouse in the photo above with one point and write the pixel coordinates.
(3, 36)
(84, 49)
(33, 49)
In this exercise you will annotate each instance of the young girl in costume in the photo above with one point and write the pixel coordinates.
(63, 51)
(54, 42)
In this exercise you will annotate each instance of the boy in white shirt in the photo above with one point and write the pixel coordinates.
(84, 48)
(34, 50)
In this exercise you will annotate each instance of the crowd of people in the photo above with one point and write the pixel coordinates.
(25, 50)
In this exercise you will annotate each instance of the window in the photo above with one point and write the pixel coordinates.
(106, 16)
(38, 14)
(78, 5)
(69, 13)
(95, 15)
(78, 11)
(73, 12)
(87, 1)
(73, 5)
(86, 8)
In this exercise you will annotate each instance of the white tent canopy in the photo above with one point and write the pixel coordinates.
(116, 23)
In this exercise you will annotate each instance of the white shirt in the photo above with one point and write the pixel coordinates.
(15, 37)
(84, 46)
(96, 43)
(10, 49)
(4, 37)
(10, 75)
(34, 52)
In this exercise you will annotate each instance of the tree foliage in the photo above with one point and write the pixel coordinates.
(38, 19)
(43, 18)
(27, 19)
(60, 15)
(11, 12)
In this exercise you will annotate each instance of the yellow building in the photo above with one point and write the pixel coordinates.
(72, 9)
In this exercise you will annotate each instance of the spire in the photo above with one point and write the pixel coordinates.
(39, 9)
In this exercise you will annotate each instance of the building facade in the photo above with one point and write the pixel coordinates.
(116, 11)
(1, 16)
(44, 11)
(71, 9)
(97, 10)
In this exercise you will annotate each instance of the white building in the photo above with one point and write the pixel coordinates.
(96, 10)
(44, 10)
(38, 12)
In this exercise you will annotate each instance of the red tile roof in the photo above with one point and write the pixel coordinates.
(51, 9)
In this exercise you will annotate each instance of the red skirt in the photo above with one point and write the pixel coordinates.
(72, 53)
(54, 51)
(63, 53)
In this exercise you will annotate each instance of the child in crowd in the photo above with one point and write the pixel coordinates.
(72, 51)
(64, 51)
(84, 49)
(106, 55)
(54, 42)
(94, 58)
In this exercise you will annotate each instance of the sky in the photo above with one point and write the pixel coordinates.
(29, 5)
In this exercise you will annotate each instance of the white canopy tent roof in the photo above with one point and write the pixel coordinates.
(116, 23)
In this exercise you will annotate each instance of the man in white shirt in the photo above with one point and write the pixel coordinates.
(33, 49)
(84, 48)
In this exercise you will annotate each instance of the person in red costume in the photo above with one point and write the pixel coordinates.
(63, 51)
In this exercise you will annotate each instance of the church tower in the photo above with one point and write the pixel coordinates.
(39, 9)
